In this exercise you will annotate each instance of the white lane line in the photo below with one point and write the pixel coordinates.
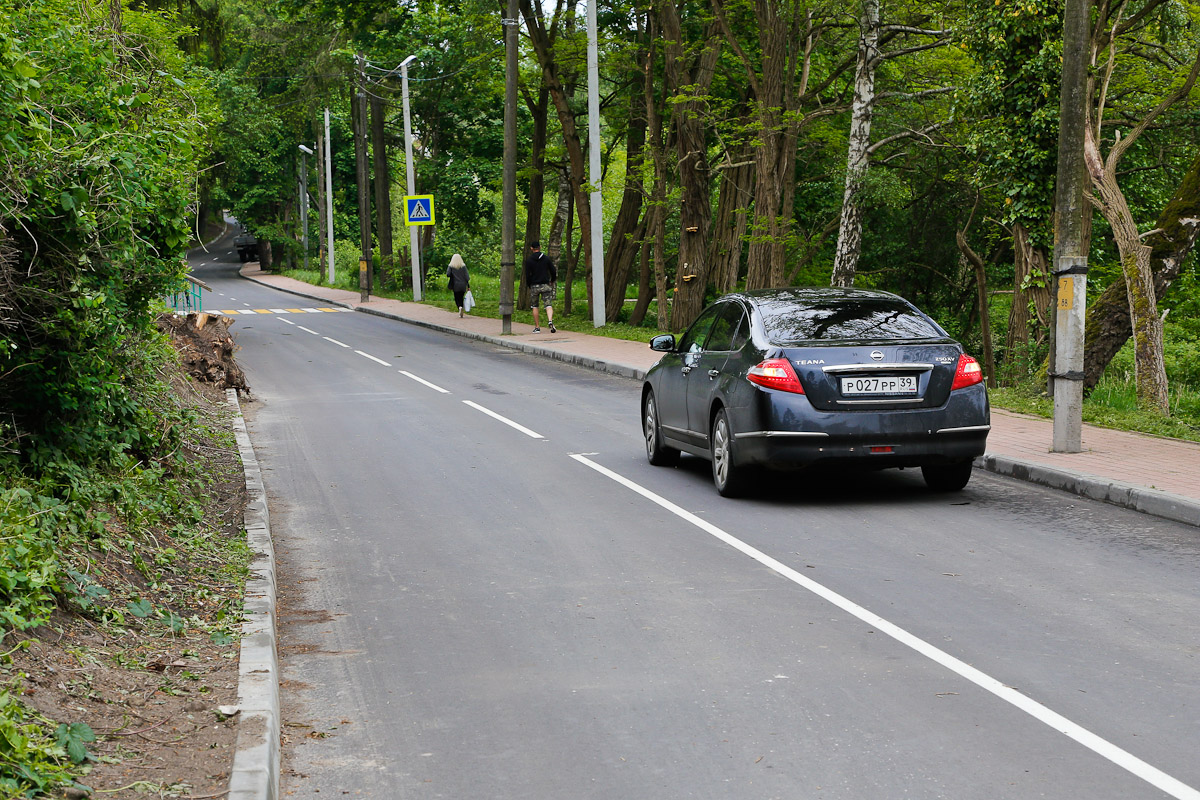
(288, 321)
(433, 386)
(310, 330)
(505, 420)
(373, 358)
(1127, 761)
(335, 341)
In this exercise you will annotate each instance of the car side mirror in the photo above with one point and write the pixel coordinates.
(663, 343)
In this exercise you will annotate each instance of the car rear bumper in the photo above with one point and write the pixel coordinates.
(794, 434)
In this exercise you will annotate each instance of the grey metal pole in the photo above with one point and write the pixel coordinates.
(508, 223)
(1070, 249)
(413, 239)
(328, 197)
(597, 197)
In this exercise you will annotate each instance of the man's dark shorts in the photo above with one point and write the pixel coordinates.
(541, 295)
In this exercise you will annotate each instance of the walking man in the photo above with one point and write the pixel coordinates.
(541, 277)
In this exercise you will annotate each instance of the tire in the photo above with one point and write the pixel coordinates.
(657, 453)
(947, 477)
(729, 478)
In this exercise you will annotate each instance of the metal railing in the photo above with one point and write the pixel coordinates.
(188, 300)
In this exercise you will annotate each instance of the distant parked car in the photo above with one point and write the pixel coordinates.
(247, 247)
(801, 378)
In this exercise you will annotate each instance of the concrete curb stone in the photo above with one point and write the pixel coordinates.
(256, 763)
(1148, 501)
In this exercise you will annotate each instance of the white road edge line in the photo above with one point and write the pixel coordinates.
(505, 420)
(373, 358)
(310, 330)
(1127, 761)
(433, 386)
(335, 341)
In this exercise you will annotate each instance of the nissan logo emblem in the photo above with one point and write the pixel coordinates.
(877, 355)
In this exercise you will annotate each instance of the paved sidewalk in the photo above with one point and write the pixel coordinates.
(1151, 474)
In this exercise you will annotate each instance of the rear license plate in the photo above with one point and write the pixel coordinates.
(898, 384)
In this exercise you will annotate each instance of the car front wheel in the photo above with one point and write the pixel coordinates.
(947, 477)
(657, 453)
(729, 478)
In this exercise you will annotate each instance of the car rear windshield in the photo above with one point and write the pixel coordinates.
(845, 319)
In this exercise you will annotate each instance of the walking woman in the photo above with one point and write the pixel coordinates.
(460, 281)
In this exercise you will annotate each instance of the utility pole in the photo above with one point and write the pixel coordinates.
(383, 186)
(597, 198)
(305, 152)
(1070, 248)
(362, 169)
(329, 198)
(508, 222)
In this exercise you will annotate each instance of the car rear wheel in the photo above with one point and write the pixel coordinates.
(657, 453)
(947, 477)
(729, 478)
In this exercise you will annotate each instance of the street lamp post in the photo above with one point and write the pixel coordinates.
(305, 152)
(413, 244)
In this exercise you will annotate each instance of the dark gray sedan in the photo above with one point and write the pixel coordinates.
(796, 378)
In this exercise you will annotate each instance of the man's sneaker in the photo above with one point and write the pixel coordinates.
(537, 330)
(552, 328)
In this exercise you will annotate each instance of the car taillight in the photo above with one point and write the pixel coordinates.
(968, 373)
(775, 373)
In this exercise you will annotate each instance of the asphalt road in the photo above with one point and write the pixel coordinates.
(488, 593)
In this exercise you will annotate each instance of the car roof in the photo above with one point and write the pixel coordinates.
(811, 293)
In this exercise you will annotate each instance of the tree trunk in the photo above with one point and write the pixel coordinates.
(623, 247)
(985, 318)
(688, 78)
(645, 289)
(383, 190)
(538, 110)
(1151, 374)
(1108, 326)
(773, 90)
(729, 230)
(1036, 282)
(849, 243)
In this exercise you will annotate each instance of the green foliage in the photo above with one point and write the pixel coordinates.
(32, 762)
(74, 738)
(100, 134)
(28, 561)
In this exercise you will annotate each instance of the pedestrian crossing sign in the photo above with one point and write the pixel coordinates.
(418, 209)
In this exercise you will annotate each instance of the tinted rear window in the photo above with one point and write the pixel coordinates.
(790, 321)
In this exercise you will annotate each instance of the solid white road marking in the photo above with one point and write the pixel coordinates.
(284, 319)
(373, 358)
(505, 420)
(310, 330)
(335, 341)
(433, 386)
(1116, 755)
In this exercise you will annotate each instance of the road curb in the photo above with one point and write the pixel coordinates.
(1148, 501)
(256, 762)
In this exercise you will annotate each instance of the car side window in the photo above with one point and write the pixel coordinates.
(693, 340)
(728, 332)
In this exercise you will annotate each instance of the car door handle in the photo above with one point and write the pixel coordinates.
(712, 373)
